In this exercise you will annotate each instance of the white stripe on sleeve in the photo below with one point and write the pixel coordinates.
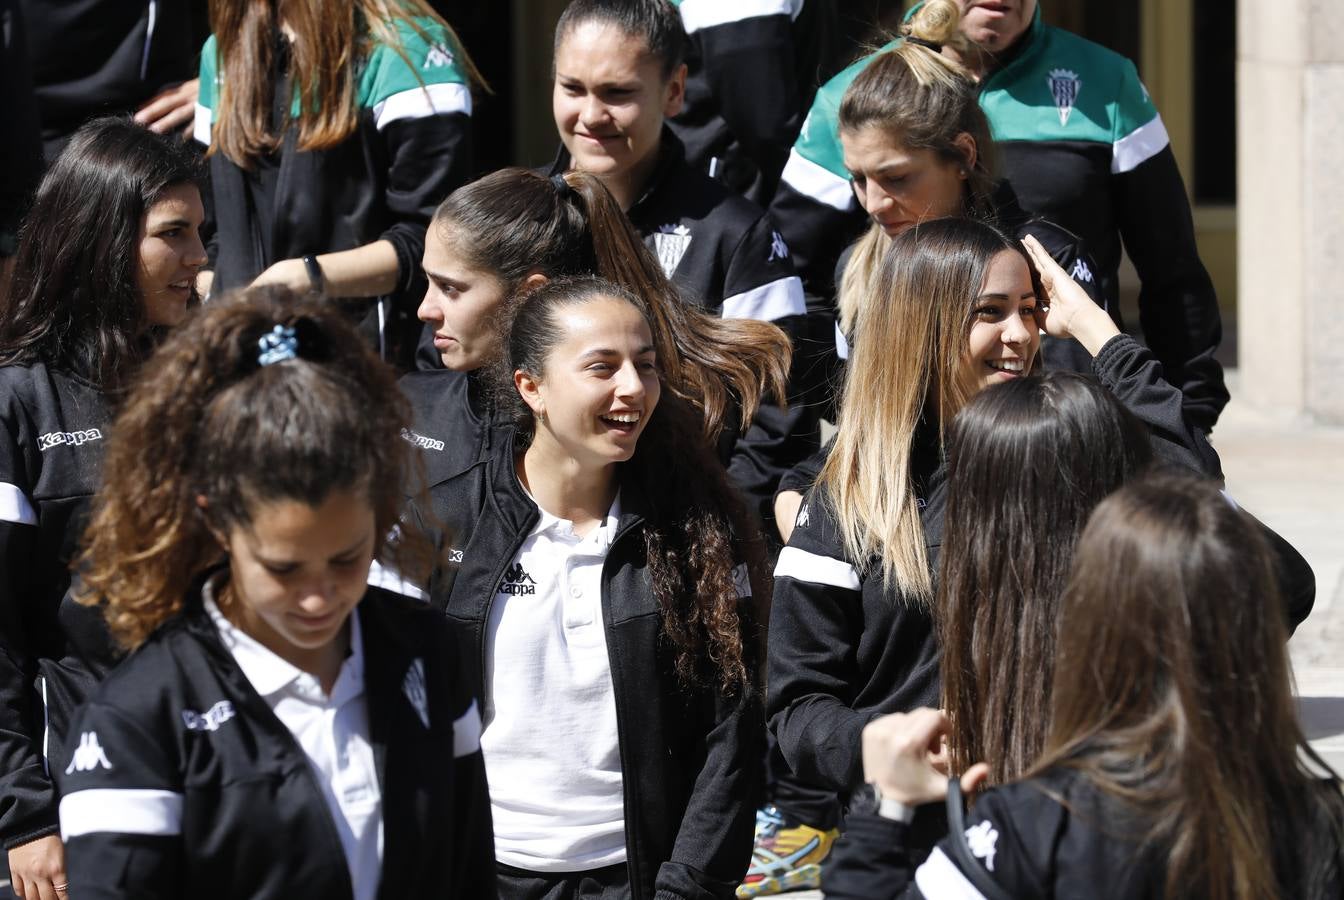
(775, 300)
(15, 505)
(200, 129)
(940, 879)
(129, 811)
(390, 580)
(697, 14)
(817, 569)
(841, 345)
(467, 732)
(419, 102)
(818, 182)
(1137, 147)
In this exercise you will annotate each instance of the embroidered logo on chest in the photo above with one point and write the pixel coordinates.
(671, 243)
(424, 443)
(210, 720)
(68, 438)
(1064, 87)
(778, 249)
(982, 839)
(517, 582)
(438, 57)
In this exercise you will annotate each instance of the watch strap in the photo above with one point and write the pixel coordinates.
(317, 280)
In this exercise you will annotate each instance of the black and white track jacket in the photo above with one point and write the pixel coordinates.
(184, 783)
(453, 420)
(726, 254)
(845, 647)
(690, 758)
(1055, 835)
(751, 71)
(53, 427)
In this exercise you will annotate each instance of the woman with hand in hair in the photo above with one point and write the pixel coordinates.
(107, 260)
(281, 729)
(955, 308)
(1173, 763)
(334, 128)
(506, 234)
(607, 586)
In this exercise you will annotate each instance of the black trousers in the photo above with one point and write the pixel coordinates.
(611, 883)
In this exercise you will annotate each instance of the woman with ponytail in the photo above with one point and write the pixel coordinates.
(281, 729)
(608, 587)
(497, 239)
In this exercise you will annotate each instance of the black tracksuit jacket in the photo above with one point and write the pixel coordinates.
(241, 813)
(845, 648)
(1055, 835)
(453, 421)
(52, 650)
(690, 758)
(751, 71)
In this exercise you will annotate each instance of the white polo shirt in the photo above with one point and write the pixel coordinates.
(334, 734)
(552, 755)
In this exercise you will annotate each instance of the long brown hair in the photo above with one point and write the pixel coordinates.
(515, 222)
(208, 419)
(1027, 462)
(1172, 693)
(908, 365)
(697, 529)
(922, 100)
(331, 39)
(73, 303)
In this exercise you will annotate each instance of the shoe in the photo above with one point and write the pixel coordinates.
(787, 856)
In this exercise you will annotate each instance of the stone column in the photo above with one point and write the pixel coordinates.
(1290, 196)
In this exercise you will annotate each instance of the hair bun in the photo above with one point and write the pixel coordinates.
(936, 22)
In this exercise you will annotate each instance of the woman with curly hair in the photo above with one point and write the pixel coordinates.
(106, 262)
(281, 730)
(602, 572)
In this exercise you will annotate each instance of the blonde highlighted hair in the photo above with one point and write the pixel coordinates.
(907, 367)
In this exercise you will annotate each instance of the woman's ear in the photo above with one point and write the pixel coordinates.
(529, 388)
(965, 145)
(674, 96)
(531, 282)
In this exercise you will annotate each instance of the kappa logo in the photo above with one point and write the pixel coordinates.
(982, 839)
(1064, 87)
(671, 243)
(425, 443)
(71, 438)
(413, 686)
(778, 249)
(804, 517)
(517, 582)
(439, 57)
(1080, 271)
(89, 755)
(454, 555)
(210, 720)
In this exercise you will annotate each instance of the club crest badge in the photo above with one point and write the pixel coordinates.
(671, 243)
(1064, 87)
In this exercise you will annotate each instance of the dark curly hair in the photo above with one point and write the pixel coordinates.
(698, 530)
(207, 419)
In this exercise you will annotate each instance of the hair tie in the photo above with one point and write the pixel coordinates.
(922, 42)
(562, 187)
(277, 345)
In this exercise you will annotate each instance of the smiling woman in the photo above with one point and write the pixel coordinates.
(107, 258)
(602, 575)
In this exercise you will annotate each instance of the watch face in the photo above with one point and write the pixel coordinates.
(866, 800)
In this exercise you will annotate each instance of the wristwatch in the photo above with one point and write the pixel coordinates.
(869, 799)
(317, 281)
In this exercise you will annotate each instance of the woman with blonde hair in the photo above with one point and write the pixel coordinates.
(334, 128)
(956, 308)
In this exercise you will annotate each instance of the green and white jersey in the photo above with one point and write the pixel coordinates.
(427, 80)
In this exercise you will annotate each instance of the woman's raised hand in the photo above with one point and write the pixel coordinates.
(902, 753)
(1067, 311)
